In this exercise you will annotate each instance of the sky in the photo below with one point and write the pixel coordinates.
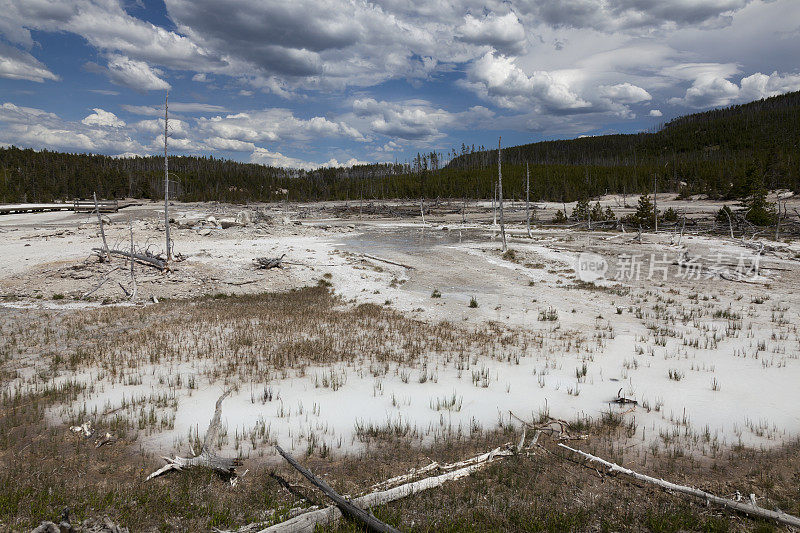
(310, 83)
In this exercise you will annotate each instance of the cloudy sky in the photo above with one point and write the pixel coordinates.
(305, 83)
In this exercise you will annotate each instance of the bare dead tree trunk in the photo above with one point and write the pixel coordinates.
(655, 200)
(528, 198)
(100, 222)
(494, 205)
(730, 221)
(133, 276)
(500, 194)
(778, 222)
(307, 522)
(741, 507)
(168, 251)
(348, 508)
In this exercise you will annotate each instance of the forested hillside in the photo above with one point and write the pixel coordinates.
(722, 153)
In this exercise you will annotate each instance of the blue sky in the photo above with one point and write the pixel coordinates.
(335, 82)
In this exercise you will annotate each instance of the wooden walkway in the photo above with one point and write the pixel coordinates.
(79, 206)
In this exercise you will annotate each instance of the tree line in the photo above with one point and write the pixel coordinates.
(719, 153)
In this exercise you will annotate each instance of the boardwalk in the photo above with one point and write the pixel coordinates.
(106, 206)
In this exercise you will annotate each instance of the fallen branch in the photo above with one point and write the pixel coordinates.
(388, 261)
(307, 522)
(351, 510)
(207, 457)
(102, 281)
(746, 508)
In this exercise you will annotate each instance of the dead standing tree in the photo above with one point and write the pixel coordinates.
(133, 276)
(528, 199)
(500, 194)
(102, 231)
(168, 251)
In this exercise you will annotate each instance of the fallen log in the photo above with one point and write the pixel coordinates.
(348, 508)
(207, 458)
(307, 522)
(746, 508)
(434, 466)
(148, 260)
(380, 259)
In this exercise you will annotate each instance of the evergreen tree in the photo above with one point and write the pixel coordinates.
(757, 210)
(581, 209)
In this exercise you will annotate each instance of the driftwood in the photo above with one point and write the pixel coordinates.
(434, 466)
(207, 457)
(348, 508)
(746, 508)
(554, 426)
(307, 522)
(380, 259)
(269, 262)
(144, 259)
(622, 400)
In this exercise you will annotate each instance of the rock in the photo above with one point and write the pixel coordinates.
(226, 223)
(244, 218)
(204, 231)
(211, 219)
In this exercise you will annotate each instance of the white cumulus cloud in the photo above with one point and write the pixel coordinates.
(625, 93)
(101, 117)
(134, 74)
(499, 79)
(504, 33)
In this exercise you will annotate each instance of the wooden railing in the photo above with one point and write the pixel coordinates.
(87, 206)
